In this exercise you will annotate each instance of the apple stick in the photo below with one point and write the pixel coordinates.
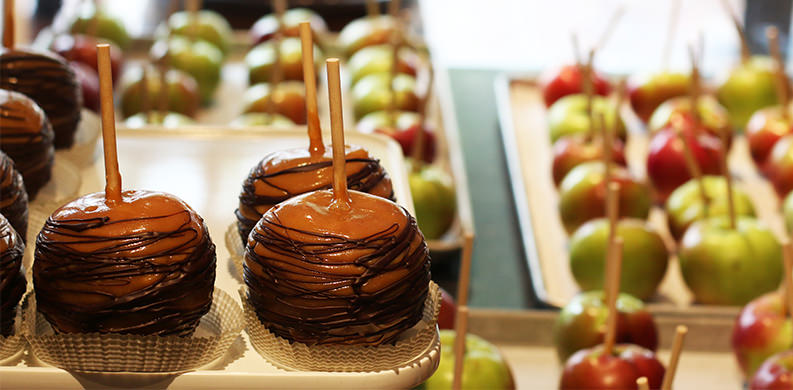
(145, 100)
(192, 8)
(576, 50)
(693, 169)
(163, 104)
(275, 75)
(588, 87)
(781, 82)
(728, 178)
(745, 52)
(391, 107)
(610, 26)
(418, 145)
(608, 147)
(641, 383)
(393, 8)
(461, 328)
(112, 176)
(671, 30)
(787, 252)
(341, 199)
(615, 259)
(8, 24)
(315, 145)
(695, 81)
(372, 8)
(93, 24)
(674, 358)
(612, 214)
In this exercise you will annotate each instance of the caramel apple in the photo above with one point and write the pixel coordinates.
(12, 275)
(14, 202)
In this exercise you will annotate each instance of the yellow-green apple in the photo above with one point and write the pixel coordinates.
(666, 161)
(198, 58)
(289, 99)
(775, 374)
(568, 80)
(367, 31)
(402, 127)
(582, 195)
(265, 28)
(572, 150)
(568, 116)
(207, 25)
(749, 87)
(726, 266)
(765, 128)
(82, 48)
(779, 166)
(712, 117)
(89, 84)
(252, 119)
(92, 21)
(447, 312)
(760, 331)
(594, 369)
(169, 119)
(261, 58)
(649, 90)
(787, 211)
(183, 95)
(378, 59)
(371, 93)
(644, 255)
(582, 323)
(433, 195)
(483, 368)
(685, 205)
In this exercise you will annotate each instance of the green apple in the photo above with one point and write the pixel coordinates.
(648, 91)
(183, 95)
(567, 116)
(712, 115)
(434, 199)
(383, 122)
(91, 21)
(483, 368)
(209, 26)
(199, 58)
(749, 87)
(289, 99)
(252, 119)
(267, 26)
(371, 93)
(379, 59)
(684, 205)
(644, 256)
(170, 119)
(787, 210)
(367, 31)
(725, 266)
(261, 58)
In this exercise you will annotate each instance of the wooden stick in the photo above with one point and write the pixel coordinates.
(674, 358)
(163, 105)
(610, 26)
(608, 148)
(576, 51)
(745, 52)
(93, 25)
(393, 8)
(695, 84)
(419, 143)
(671, 30)
(642, 384)
(787, 253)
(315, 145)
(112, 176)
(341, 197)
(460, 328)
(279, 8)
(193, 6)
(276, 74)
(588, 87)
(612, 214)
(145, 100)
(726, 169)
(693, 169)
(8, 24)
(372, 8)
(391, 106)
(781, 82)
(614, 287)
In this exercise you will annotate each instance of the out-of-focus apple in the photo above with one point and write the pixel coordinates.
(208, 25)
(749, 87)
(685, 205)
(775, 374)
(787, 211)
(91, 21)
(367, 31)
(403, 128)
(648, 91)
(371, 93)
(484, 367)
(82, 48)
(568, 80)
(254, 119)
(434, 199)
(568, 116)
(593, 369)
(169, 120)
(378, 59)
(448, 311)
(582, 323)
(725, 266)
(676, 112)
(570, 151)
(582, 195)
(265, 28)
(779, 166)
(261, 58)
(183, 95)
(89, 84)
(765, 128)
(761, 330)
(199, 58)
(289, 99)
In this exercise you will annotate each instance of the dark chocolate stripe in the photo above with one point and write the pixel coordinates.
(13, 197)
(12, 277)
(30, 148)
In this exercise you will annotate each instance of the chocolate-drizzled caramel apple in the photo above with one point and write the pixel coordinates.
(285, 174)
(337, 266)
(26, 136)
(12, 277)
(137, 262)
(13, 198)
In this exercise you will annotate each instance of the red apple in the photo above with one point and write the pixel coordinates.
(775, 374)
(570, 151)
(82, 48)
(403, 129)
(713, 117)
(766, 126)
(448, 311)
(779, 166)
(648, 91)
(666, 164)
(761, 330)
(592, 369)
(568, 80)
(89, 84)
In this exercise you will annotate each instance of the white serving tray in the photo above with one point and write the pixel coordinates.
(205, 166)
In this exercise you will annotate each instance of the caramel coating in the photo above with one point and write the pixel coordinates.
(26, 136)
(13, 198)
(145, 265)
(12, 275)
(321, 274)
(47, 79)
(288, 173)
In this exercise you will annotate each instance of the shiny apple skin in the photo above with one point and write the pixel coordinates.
(592, 369)
(371, 93)
(484, 366)
(289, 100)
(568, 152)
(765, 128)
(568, 116)
(261, 58)
(567, 80)
(775, 374)
(648, 91)
(365, 32)
(760, 331)
(779, 166)
(183, 93)
(403, 130)
(582, 323)
(379, 59)
(208, 25)
(713, 117)
(750, 86)
(265, 28)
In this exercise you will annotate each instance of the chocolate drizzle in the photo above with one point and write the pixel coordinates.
(275, 180)
(50, 82)
(12, 276)
(152, 273)
(26, 136)
(323, 287)
(13, 198)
